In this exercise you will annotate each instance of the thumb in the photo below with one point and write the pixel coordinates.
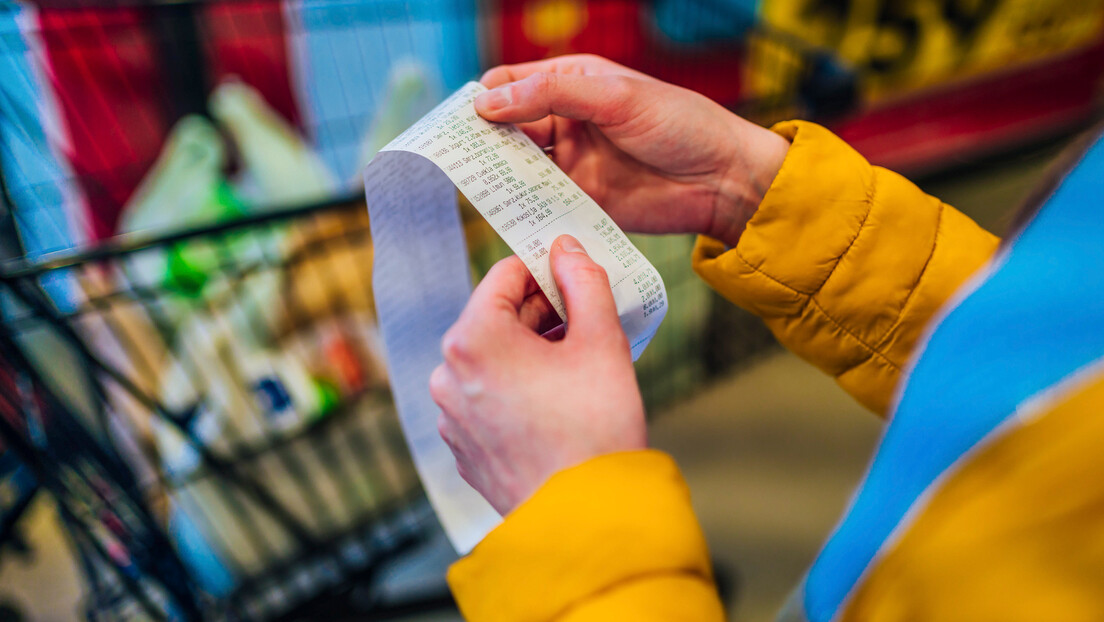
(600, 99)
(591, 310)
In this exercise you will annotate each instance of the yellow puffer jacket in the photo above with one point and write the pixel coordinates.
(846, 263)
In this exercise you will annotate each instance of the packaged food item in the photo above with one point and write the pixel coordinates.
(278, 167)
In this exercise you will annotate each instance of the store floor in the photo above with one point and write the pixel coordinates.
(771, 456)
(771, 453)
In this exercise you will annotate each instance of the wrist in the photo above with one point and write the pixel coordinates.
(757, 157)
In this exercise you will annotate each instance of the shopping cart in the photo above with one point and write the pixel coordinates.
(18, 486)
(180, 505)
(18, 489)
(185, 296)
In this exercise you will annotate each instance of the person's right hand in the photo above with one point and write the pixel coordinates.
(657, 157)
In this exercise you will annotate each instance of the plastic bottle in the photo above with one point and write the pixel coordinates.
(281, 168)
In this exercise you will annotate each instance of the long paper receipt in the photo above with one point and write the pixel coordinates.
(421, 276)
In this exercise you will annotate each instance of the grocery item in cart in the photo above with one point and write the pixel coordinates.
(187, 187)
(238, 394)
(411, 93)
(183, 188)
(278, 168)
(254, 406)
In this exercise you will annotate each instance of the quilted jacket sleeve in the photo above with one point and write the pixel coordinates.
(612, 539)
(846, 262)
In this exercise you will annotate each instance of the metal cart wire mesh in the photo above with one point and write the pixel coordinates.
(247, 493)
(18, 488)
(187, 345)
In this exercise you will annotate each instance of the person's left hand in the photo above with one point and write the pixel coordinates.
(518, 407)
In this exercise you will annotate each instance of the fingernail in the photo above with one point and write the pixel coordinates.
(495, 99)
(571, 245)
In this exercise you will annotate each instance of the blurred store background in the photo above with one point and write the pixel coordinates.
(195, 420)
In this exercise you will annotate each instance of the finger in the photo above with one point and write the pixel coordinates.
(444, 388)
(444, 430)
(504, 287)
(538, 315)
(497, 76)
(543, 132)
(450, 434)
(579, 64)
(512, 73)
(496, 301)
(490, 323)
(556, 334)
(603, 100)
(591, 310)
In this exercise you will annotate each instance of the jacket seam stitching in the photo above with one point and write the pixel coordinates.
(923, 270)
(809, 299)
(777, 280)
(839, 258)
(871, 349)
(858, 231)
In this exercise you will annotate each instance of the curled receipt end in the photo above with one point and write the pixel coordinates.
(421, 276)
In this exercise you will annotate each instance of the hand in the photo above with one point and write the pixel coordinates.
(517, 407)
(657, 157)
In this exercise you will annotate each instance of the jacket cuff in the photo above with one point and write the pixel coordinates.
(846, 262)
(590, 528)
(819, 237)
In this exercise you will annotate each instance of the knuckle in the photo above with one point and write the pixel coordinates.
(593, 273)
(456, 348)
(544, 83)
(464, 471)
(581, 64)
(438, 385)
(620, 88)
(449, 432)
(444, 428)
(497, 75)
(468, 474)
